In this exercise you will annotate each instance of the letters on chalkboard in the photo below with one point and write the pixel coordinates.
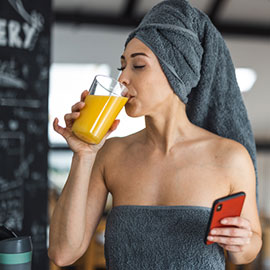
(21, 35)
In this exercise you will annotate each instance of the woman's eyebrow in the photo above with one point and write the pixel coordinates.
(134, 55)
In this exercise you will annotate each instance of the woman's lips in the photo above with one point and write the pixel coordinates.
(130, 98)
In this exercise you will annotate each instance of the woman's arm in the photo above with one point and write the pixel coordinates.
(243, 239)
(81, 204)
(70, 230)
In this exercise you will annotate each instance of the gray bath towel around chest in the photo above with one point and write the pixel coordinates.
(160, 238)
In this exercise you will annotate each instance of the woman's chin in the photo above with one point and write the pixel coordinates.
(132, 113)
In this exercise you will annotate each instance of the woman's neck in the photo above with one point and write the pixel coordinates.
(167, 127)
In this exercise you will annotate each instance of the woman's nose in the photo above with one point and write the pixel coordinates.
(123, 78)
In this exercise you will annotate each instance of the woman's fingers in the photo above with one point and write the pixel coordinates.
(114, 125)
(235, 236)
(56, 127)
(232, 248)
(112, 128)
(231, 231)
(77, 106)
(238, 241)
(236, 221)
(65, 132)
(70, 117)
(84, 95)
(60, 130)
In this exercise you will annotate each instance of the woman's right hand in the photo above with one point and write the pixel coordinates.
(77, 145)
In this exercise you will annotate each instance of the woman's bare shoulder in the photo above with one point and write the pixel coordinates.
(236, 160)
(225, 147)
(232, 151)
(227, 152)
(119, 145)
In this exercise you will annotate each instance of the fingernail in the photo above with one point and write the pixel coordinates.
(213, 232)
(210, 238)
(224, 221)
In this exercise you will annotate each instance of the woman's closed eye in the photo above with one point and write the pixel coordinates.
(136, 67)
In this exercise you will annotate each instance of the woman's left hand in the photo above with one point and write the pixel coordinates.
(234, 237)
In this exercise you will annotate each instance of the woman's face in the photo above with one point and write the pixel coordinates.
(148, 87)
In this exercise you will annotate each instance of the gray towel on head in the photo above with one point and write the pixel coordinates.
(199, 68)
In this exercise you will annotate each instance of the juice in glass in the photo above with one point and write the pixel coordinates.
(97, 116)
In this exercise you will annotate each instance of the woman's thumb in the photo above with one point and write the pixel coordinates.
(115, 125)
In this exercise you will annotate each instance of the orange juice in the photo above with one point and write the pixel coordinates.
(97, 116)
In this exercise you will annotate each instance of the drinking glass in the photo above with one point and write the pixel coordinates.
(105, 100)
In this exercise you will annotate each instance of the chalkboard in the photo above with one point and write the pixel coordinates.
(24, 76)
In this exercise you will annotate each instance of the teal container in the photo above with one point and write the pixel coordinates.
(16, 253)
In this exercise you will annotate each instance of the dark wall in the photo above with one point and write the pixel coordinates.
(24, 74)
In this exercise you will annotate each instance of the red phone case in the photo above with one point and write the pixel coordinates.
(229, 206)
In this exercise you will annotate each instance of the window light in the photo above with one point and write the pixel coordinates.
(67, 81)
(246, 78)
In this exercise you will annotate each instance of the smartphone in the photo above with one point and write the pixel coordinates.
(229, 206)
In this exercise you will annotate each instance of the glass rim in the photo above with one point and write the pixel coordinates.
(122, 86)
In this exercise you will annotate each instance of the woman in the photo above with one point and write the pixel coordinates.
(164, 178)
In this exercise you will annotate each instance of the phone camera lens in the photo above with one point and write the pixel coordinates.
(219, 207)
